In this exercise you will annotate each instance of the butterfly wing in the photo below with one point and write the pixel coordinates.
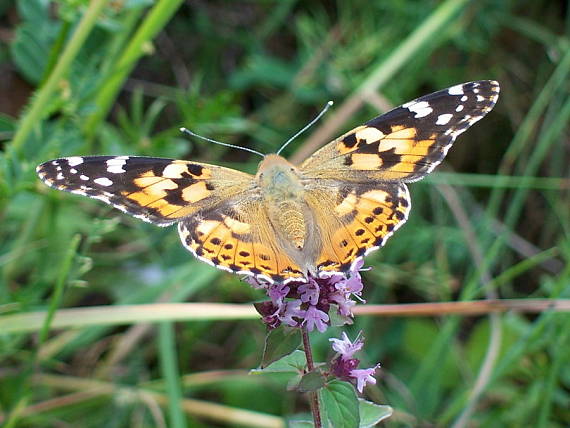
(355, 218)
(408, 142)
(159, 191)
(219, 210)
(355, 185)
(237, 236)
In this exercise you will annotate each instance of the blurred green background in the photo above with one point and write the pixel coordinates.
(120, 77)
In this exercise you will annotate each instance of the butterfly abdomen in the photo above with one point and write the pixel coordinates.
(288, 216)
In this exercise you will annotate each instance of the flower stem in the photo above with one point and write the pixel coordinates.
(313, 395)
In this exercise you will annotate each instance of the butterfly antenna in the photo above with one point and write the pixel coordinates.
(247, 149)
(311, 123)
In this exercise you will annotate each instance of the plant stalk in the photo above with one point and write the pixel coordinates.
(313, 395)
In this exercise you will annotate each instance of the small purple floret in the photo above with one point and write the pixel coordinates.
(316, 318)
(363, 376)
(309, 292)
(345, 347)
(278, 292)
(290, 311)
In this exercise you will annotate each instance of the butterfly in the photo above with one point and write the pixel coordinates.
(288, 222)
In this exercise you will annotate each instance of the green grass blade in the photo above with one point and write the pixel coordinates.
(59, 286)
(155, 21)
(169, 366)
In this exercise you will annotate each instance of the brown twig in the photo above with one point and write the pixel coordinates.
(131, 314)
(466, 308)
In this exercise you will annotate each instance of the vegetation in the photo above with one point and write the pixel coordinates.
(120, 77)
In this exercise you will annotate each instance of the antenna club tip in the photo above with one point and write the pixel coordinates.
(330, 103)
(182, 129)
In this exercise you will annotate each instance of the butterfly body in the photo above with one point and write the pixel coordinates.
(282, 193)
(287, 222)
(290, 215)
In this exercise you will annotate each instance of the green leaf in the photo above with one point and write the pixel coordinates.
(295, 362)
(340, 404)
(279, 343)
(311, 381)
(35, 11)
(293, 383)
(372, 413)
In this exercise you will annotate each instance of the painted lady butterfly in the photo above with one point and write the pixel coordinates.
(287, 222)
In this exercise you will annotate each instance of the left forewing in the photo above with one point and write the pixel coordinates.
(157, 190)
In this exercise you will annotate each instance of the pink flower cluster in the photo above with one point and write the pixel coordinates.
(308, 303)
(344, 364)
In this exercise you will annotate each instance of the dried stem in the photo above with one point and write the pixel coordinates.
(313, 395)
(27, 322)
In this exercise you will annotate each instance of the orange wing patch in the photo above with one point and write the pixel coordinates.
(397, 154)
(170, 193)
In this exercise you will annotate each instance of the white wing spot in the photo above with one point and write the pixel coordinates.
(443, 119)
(59, 176)
(480, 98)
(73, 171)
(103, 181)
(421, 109)
(74, 160)
(464, 98)
(84, 177)
(115, 165)
(455, 90)
(459, 108)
